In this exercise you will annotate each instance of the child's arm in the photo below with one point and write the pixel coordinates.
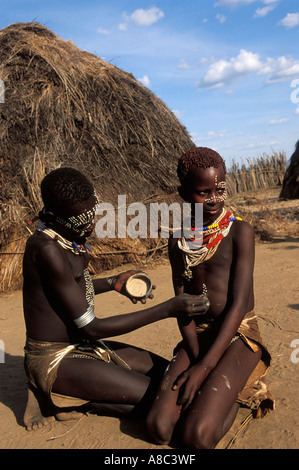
(68, 299)
(188, 332)
(116, 283)
(186, 325)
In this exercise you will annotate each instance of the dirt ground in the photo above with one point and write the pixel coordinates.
(277, 306)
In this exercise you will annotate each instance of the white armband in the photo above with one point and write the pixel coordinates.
(85, 319)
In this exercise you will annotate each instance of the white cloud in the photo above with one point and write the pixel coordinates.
(144, 81)
(146, 17)
(210, 136)
(297, 110)
(103, 31)
(274, 122)
(233, 3)
(179, 114)
(206, 60)
(183, 65)
(225, 71)
(290, 21)
(280, 69)
(123, 26)
(261, 12)
(242, 2)
(141, 17)
(221, 18)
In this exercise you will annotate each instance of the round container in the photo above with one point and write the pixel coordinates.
(139, 286)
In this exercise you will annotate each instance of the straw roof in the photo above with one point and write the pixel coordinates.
(67, 107)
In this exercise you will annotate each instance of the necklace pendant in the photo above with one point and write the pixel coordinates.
(187, 274)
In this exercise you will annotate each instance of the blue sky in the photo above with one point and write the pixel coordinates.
(229, 69)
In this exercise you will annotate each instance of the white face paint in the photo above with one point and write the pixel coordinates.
(220, 192)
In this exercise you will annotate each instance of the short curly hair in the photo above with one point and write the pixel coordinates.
(202, 157)
(64, 187)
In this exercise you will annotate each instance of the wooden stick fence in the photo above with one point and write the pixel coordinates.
(261, 173)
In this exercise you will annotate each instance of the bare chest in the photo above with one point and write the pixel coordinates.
(78, 264)
(212, 274)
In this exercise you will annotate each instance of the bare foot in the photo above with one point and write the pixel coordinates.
(34, 417)
(40, 413)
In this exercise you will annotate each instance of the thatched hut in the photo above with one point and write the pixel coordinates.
(290, 184)
(67, 107)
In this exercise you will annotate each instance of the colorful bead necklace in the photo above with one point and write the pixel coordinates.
(209, 244)
(215, 225)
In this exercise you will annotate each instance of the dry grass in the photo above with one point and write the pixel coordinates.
(67, 107)
(272, 218)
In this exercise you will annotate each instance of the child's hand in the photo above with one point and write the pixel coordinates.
(192, 378)
(191, 305)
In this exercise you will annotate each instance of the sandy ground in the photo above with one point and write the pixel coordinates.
(276, 289)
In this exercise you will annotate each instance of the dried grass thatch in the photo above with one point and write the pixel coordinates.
(64, 106)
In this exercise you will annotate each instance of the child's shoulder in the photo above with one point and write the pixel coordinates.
(43, 248)
(241, 228)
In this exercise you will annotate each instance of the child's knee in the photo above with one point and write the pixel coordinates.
(201, 436)
(159, 428)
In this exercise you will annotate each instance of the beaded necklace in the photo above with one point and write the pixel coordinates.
(212, 236)
(77, 250)
(63, 242)
(215, 225)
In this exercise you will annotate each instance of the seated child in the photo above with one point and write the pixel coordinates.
(66, 361)
(221, 362)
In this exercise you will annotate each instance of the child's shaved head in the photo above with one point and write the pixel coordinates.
(202, 157)
(63, 187)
